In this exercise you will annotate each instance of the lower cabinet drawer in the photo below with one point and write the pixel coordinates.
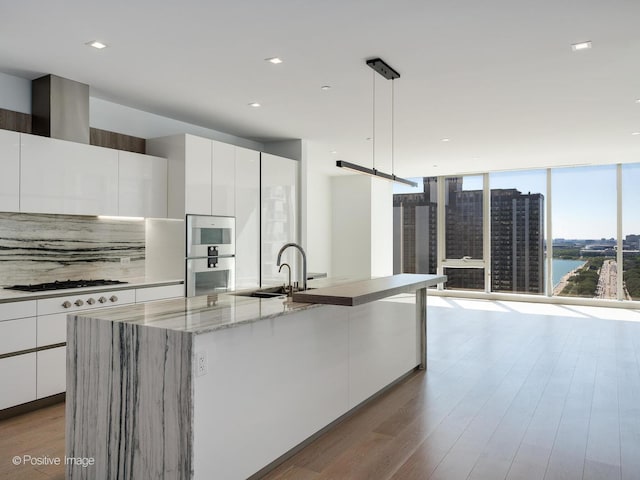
(52, 329)
(52, 372)
(16, 335)
(18, 380)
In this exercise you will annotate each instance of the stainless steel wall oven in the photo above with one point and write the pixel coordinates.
(210, 256)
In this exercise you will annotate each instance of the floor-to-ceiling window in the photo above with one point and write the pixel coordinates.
(631, 231)
(517, 231)
(583, 225)
(463, 261)
(415, 212)
(568, 232)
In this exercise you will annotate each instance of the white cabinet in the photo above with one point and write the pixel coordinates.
(197, 177)
(17, 372)
(18, 380)
(17, 335)
(9, 171)
(57, 176)
(279, 205)
(223, 178)
(202, 174)
(52, 329)
(247, 200)
(142, 185)
(52, 371)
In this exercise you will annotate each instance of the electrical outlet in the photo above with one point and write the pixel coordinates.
(125, 260)
(202, 366)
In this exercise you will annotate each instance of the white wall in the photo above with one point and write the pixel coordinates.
(381, 228)
(164, 237)
(351, 226)
(130, 121)
(15, 93)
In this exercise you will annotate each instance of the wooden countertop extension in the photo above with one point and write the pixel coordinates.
(365, 291)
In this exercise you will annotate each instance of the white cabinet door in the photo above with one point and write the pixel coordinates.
(52, 329)
(9, 171)
(18, 380)
(223, 179)
(279, 204)
(16, 335)
(142, 185)
(57, 176)
(247, 193)
(52, 372)
(11, 310)
(197, 175)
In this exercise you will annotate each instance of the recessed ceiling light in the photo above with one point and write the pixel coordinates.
(638, 100)
(635, 133)
(325, 87)
(334, 152)
(255, 104)
(274, 60)
(581, 46)
(445, 140)
(97, 44)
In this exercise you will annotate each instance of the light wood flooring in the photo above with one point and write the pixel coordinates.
(512, 391)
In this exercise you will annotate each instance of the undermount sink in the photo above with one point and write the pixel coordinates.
(270, 292)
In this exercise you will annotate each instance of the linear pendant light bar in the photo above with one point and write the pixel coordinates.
(373, 172)
(384, 69)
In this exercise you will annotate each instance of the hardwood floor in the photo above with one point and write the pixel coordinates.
(512, 391)
(38, 434)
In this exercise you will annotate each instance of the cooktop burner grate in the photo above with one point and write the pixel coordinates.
(43, 287)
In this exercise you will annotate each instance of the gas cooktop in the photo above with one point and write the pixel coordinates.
(43, 287)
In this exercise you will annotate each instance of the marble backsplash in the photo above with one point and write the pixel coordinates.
(38, 248)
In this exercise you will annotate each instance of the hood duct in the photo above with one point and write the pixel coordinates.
(60, 108)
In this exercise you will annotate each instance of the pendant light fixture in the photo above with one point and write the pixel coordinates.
(381, 67)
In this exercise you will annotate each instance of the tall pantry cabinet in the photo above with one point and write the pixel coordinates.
(207, 177)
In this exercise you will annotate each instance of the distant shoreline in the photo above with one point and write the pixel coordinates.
(565, 279)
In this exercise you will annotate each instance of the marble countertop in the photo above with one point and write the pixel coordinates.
(17, 296)
(205, 314)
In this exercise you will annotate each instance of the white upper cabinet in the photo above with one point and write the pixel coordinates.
(57, 176)
(247, 200)
(9, 171)
(142, 185)
(197, 176)
(279, 205)
(223, 178)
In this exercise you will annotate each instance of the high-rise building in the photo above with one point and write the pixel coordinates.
(517, 236)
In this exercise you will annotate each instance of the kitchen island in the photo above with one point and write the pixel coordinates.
(222, 386)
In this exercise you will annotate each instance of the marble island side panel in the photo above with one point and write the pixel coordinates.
(129, 400)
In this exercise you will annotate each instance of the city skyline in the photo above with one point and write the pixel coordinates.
(584, 199)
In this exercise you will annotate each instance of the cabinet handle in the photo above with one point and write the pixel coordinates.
(66, 304)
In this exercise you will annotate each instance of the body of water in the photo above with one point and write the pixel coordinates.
(561, 267)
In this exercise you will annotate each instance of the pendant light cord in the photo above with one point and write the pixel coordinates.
(392, 125)
(373, 116)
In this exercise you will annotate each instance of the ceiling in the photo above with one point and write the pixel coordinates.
(498, 77)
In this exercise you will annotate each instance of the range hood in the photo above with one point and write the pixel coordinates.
(60, 108)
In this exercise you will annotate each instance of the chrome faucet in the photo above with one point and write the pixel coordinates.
(304, 261)
(289, 286)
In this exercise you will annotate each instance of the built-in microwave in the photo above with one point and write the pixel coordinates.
(210, 257)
